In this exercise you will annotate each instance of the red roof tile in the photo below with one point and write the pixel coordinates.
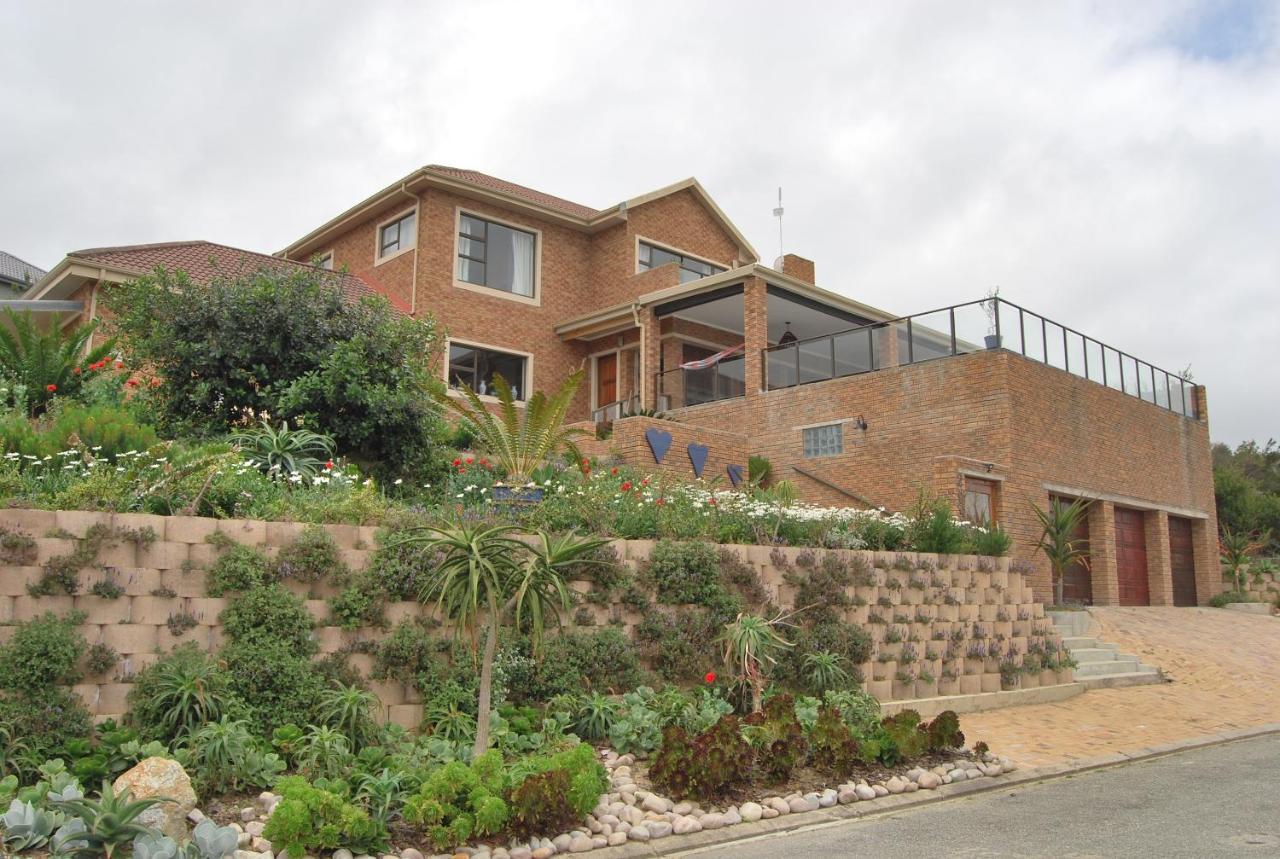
(485, 180)
(203, 261)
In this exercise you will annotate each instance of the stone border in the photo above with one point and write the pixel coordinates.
(694, 843)
(983, 701)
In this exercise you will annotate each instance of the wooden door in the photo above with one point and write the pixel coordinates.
(606, 379)
(1182, 560)
(1131, 557)
(1077, 581)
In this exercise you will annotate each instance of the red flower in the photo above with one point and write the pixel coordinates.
(457, 462)
(328, 466)
(76, 371)
(710, 677)
(626, 485)
(470, 460)
(462, 469)
(644, 482)
(155, 383)
(586, 463)
(132, 383)
(660, 502)
(119, 365)
(712, 502)
(51, 388)
(613, 470)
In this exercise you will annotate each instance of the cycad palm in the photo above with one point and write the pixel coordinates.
(520, 439)
(1058, 540)
(38, 359)
(486, 576)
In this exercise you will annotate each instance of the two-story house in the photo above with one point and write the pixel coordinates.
(668, 307)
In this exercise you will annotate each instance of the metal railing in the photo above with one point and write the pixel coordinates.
(723, 380)
(616, 409)
(973, 327)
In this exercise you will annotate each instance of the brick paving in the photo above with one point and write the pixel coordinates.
(1225, 672)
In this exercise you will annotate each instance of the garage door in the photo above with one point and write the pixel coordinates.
(1077, 582)
(1131, 557)
(1182, 560)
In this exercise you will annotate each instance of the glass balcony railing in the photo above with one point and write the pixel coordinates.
(974, 327)
(721, 381)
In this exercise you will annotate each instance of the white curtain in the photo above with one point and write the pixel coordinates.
(522, 268)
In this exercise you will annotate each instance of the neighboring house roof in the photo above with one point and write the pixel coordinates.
(483, 186)
(201, 260)
(18, 271)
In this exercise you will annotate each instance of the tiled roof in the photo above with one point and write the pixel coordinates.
(18, 271)
(203, 261)
(485, 180)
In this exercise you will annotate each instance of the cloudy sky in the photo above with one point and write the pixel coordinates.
(1115, 166)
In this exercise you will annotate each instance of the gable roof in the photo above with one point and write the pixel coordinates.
(483, 186)
(203, 261)
(17, 270)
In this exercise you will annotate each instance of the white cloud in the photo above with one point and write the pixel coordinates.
(1114, 166)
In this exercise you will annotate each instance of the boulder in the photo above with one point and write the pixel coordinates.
(155, 778)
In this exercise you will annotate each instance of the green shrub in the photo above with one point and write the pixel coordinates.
(401, 568)
(408, 655)
(680, 644)
(279, 687)
(225, 756)
(553, 792)
(857, 707)
(308, 820)
(712, 764)
(835, 749)
(311, 557)
(17, 548)
(777, 738)
(684, 573)
(991, 540)
(457, 802)
(238, 568)
(1222, 599)
(933, 527)
(45, 650)
(270, 613)
(944, 732)
(604, 659)
(183, 690)
(360, 603)
(47, 719)
(102, 658)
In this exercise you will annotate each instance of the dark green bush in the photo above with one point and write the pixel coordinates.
(680, 644)
(1222, 599)
(992, 540)
(944, 732)
(399, 568)
(270, 612)
(685, 573)
(933, 528)
(835, 749)
(279, 687)
(712, 764)
(311, 557)
(44, 651)
(46, 719)
(603, 660)
(408, 655)
(182, 691)
(238, 568)
(779, 742)
(361, 603)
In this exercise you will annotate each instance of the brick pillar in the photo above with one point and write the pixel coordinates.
(755, 327)
(1159, 568)
(1204, 542)
(650, 352)
(1102, 553)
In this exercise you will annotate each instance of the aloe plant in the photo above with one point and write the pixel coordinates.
(110, 821)
(282, 450)
(751, 644)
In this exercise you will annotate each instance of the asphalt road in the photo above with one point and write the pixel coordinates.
(1217, 801)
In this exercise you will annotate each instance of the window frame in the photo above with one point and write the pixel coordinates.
(534, 300)
(993, 496)
(378, 256)
(819, 451)
(525, 382)
(684, 255)
(321, 258)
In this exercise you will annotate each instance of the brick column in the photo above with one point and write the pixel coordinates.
(755, 327)
(650, 352)
(1102, 553)
(1204, 542)
(1159, 569)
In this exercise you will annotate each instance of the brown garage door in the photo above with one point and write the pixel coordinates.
(1077, 583)
(1131, 557)
(1182, 561)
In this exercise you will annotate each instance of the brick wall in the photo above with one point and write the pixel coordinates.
(983, 593)
(724, 447)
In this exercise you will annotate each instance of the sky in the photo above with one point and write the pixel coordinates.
(1113, 166)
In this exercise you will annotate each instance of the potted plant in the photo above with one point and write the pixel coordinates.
(990, 307)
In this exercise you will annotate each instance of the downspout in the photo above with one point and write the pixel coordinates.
(417, 225)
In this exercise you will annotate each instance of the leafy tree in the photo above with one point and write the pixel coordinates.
(1246, 483)
(1238, 548)
(520, 439)
(1058, 541)
(46, 362)
(288, 345)
(486, 578)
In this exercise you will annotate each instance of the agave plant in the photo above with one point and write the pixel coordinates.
(520, 439)
(594, 717)
(824, 670)
(110, 821)
(44, 360)
(284, 451)
(325, 753)
(349, 709)
(27, 827)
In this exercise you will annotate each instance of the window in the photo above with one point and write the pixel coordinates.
(652, 256)
(324, 260)
(474, 367)
(396, 236)
(495, 256)
(979, 501)
(824, 440)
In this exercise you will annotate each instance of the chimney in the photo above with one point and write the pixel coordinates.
(799, 268)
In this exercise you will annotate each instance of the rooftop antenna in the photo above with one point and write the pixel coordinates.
(777, 213)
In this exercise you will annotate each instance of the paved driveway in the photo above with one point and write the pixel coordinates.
(1216, 801)
(1225, 668)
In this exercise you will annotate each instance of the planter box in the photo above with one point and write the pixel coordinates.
(949, 687)
(971, 684)
(925, 689)
(880, 689)
(1048, 678)
(991, 682)
(903, 691)
(884, 671)
(1029, 681)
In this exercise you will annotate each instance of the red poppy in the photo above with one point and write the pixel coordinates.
(586, 463)
(76, 371)
(710, 677)
(155, 383)
(328, 466)
(644, 482)
(119, 365)
(613, 470)
(462, 469)
(51, 388)
(470, 460)
(626, 485)
(660, 502)
(132, 383)
(712, 502)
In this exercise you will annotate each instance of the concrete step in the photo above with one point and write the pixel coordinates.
(1071, 642)
(1112, 666)
(1144, 676)
(1094, 654)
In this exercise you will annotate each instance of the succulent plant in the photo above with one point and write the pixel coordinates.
(214, 841)
(155, 846)
(27, 827)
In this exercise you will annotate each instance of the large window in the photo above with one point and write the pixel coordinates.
(823, 441)
(652, 256)
(474, 367)
(396, 236)
(495, 256)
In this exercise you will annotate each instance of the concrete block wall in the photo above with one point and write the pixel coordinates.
(985, 595)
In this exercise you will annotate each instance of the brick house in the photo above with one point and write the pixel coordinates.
(668, 307)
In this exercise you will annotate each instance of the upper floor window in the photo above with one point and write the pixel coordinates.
(652, 256)
(324, 260)
(395, 236)
(825, 440)
(475, 366)
(495, 256)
